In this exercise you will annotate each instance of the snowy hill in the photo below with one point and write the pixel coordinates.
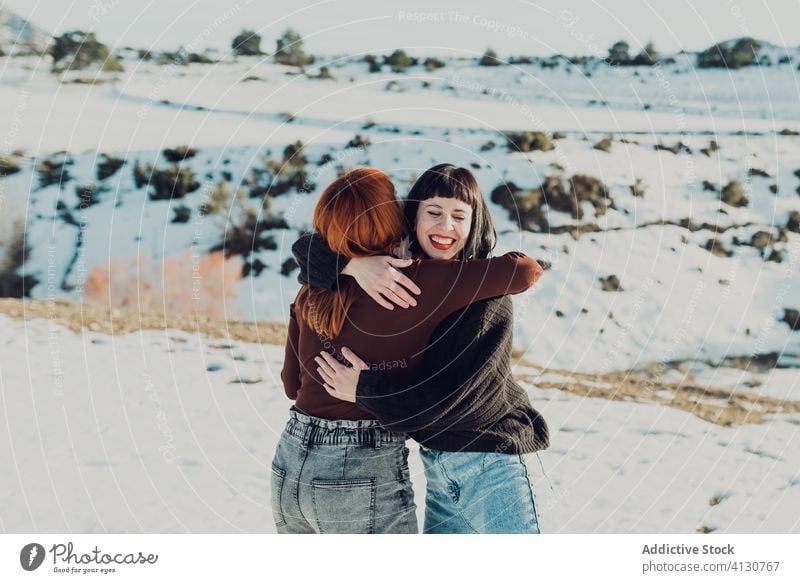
(664, 201)
(18, 36)
(657, 214)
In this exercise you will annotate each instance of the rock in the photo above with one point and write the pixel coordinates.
(773, 188)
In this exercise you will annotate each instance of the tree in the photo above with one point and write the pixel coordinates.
(648, 56)
(618, 53)
(732, 54)
(247, 43)
(78, 50)
(489, 59)
(289, 50)
(399, 61)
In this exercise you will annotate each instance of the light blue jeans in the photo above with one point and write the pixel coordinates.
(341, 477)
(478, 493)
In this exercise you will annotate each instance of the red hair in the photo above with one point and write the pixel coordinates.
(358, 215)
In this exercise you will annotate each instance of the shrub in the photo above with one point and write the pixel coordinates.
(172, 182)
(179, 154)
(289, 50)
(247, 43)
(141, 174)
(604, 145)
(793, 223)
(648, 57)
(108, 166)
(610, 283)
(374, 65)
(87, 195)
(359, 141)
(637, 188)
(218, 200)
(77, 50)
(399, 61)
(731, 54)
(182, 214)
(288, 266)
(53, 170)
(528, 141)
(489, 59)
(618, 53)
(289, 174)
(246, 234)
(527, 205)
(14, 252)
(733, 194)
(432, 63)
(8, 166)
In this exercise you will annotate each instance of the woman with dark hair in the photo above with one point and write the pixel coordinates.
(472, 421)
(336, 469)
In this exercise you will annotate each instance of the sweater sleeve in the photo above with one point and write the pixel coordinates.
(456, 386)
(319, 265)
(290, 373)
(452, 285)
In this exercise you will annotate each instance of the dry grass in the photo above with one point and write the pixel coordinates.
(98, 318)
(721, 406)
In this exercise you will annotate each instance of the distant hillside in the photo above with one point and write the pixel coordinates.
(17, 35)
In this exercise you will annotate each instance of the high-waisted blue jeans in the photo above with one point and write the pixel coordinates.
(474, 492)
(341, 477)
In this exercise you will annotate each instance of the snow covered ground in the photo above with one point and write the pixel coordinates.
(167, 431)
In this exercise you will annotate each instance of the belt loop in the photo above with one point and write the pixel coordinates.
(308, 435)
(376, 438)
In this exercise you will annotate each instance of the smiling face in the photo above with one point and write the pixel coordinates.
(443, 226)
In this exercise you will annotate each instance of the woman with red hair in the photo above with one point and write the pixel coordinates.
(336, 468)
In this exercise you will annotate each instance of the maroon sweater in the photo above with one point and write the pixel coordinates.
(393, 341)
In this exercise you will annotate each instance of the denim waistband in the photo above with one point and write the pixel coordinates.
(316, 431)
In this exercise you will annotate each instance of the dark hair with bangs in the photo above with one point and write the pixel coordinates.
(449, 181)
